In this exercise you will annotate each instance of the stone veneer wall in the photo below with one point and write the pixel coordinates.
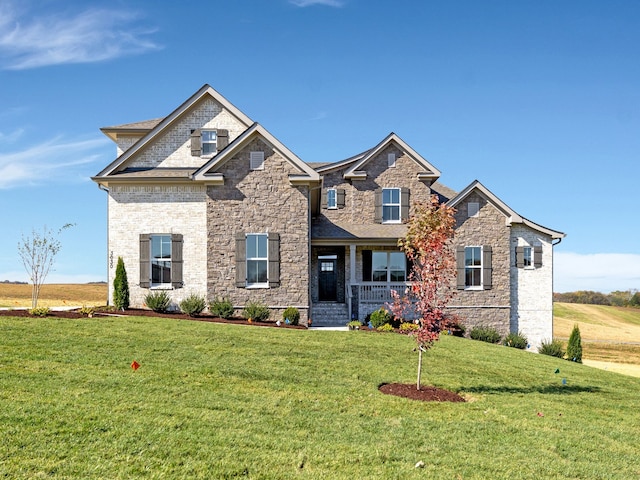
(532, 289)
(173, 148)
(161, 209)
(485, 307)
(259, 201)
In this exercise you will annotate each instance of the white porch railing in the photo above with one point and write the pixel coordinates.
(379, 293)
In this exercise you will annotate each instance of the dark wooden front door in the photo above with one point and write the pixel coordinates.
(328, 280)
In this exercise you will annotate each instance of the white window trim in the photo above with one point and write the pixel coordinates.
(203, 143)
(162, 285)
(480, 267)
(247, 259)
(256, 160)
(335, 199)
(399, 205)
(473, 209)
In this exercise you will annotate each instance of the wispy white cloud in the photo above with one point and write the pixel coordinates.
(600, 272)
(94, 35)
(52, 160)
(310, 3)
(11, 137)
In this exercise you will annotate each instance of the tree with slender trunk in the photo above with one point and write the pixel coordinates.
(38, 252)
(428, 248)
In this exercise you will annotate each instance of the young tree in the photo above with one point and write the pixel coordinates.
(121, 287)
(427, 245)
(38, 253)
(574, 347)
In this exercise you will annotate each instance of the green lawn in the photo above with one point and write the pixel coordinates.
(226, 401)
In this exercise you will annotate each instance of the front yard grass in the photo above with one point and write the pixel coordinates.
(226, 401)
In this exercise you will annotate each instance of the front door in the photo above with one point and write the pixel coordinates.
(328, 280)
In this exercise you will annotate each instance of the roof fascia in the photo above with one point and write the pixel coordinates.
(341, 163)
(168, 120)
(508, 212)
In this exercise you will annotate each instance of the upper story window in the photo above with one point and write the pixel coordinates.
(473, 267)
(256, 160)
(384, 266)
(209, 142)
(160, 260)
(257, 259)
(527, 257)
(332, 198)
(390, 205)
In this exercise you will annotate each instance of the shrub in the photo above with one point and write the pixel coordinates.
(452, 326)
(256, 311)
(354, 324)
(40, 311)
(515, 340)
(193, 305)
(552, 348)
(387, 327)
(121, 287)
(221, 307)
(86, 311)
(408, 327)
(379, 317)
(292, 314)
(158, 301)
(485, 334)
(574, 347)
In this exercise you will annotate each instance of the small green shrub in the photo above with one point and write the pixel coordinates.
(408, 327)
(354, 325)
(257, 311)
(158, 301)
(379, 317)
(193, 305)
(40, 311)
(86, 311)
(552, 348)
(515, 340)
(292, 314)
(485, 334)
(574, 347)
(387, 327)
(453, 326)
(221, 307)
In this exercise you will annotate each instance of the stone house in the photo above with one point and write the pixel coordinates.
(207, 201)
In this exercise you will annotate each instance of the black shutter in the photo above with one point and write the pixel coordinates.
(460, 270)
(222, 139)
(486, 267)
(340, 197)
(145, 260)
(404, 204)
(520, 257)
(274, 260)
(323, 199)
(196, 143)
(537, 256)
(366, 265)
(241, 260)
(377, 202)
(176, 260)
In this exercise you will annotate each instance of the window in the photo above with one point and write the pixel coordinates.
(384, 266)
(209, 142)
(257, 259)
(473, 208)
(256, 161)
(473, 267)
(391, 160)
(529, 257)
(332, 198)
(161, 260)
(390, 205)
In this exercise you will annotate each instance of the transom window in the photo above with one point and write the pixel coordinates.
(388, 267)
(332, 198)
(209, 142)
(391, 205)
(160, 260)
(257, 259)
(527, 256)
(473, 267)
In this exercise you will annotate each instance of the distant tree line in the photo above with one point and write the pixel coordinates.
(627, 298)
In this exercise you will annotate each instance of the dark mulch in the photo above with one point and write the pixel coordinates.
(139, 312)
(425, 394)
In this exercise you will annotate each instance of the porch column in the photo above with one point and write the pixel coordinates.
(352, 277)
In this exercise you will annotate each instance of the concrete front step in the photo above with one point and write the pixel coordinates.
(329, 314)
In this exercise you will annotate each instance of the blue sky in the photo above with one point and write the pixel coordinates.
(539, 100)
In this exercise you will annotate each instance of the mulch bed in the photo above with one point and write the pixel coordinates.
(425, 394)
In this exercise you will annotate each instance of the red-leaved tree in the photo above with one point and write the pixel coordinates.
(428, 247)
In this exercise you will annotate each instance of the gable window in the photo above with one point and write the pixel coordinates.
(256, 160)
(529, 257)
(390, 205)
(473, 208)
(257, 260)
(473, 266)
(161, 260)
(391, 160)
(332, 198)
(384, 266)
(209, 142)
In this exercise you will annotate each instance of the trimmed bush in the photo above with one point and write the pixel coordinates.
(515, 340)
(121, 287)
(257, 311)
(552, 348)
(354, 325)
(379, 317)
(221, 307)
(408, 327)
(40, 311)
(87, 311)
(574, 347)
(292, 314)
(158, 301)
(485, 334)
(193, 305)
(387, 327)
